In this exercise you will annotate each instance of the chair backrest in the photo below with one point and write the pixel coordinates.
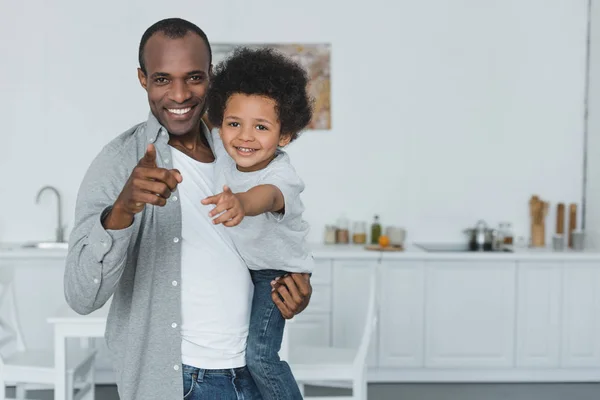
(11, 338)
(360, 359)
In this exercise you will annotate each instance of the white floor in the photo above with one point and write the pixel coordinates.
(558, 391)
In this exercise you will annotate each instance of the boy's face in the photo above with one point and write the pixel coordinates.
(251, 131)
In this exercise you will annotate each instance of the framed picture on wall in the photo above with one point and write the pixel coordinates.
(315, 58)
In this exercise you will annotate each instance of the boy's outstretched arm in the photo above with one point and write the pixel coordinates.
(231, 208)
(261, 199)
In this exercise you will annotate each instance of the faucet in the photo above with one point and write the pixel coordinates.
(59, 229)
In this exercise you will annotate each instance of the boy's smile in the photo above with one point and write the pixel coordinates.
(251, 131)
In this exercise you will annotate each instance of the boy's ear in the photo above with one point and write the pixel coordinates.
(285, 139)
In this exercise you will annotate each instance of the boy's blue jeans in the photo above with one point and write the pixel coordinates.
(272, 376)
(222, 384)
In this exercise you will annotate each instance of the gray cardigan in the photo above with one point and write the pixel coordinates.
(139, 265)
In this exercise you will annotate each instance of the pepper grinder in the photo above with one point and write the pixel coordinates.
(572, 222)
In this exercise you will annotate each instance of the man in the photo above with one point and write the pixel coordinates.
(181, 293)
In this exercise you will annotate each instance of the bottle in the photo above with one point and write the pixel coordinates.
(508, 234)
(375, 230)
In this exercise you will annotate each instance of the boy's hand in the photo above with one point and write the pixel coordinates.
(228, 205)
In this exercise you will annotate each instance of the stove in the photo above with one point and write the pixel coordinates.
(453, 248)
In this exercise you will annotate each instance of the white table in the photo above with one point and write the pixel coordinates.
(68, 324)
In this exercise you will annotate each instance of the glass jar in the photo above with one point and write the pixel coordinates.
(330, 234)
(359, 233)
(507, 234)
(499, 237)
(343, 232)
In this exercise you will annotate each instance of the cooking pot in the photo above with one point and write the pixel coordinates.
(481, 237)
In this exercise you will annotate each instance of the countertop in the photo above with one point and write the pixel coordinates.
(11, 251)
(15, 251)
(412, 252)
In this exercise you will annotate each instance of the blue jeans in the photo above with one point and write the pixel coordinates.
(221, 384)
(273, 376)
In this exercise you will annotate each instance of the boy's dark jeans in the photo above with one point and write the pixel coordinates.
(272, 376)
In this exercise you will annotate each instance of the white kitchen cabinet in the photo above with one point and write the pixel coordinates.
(350, 297)
(401, 322)
(527, 316)
(311, 330)
(581, 315)
(322, 272)
(469, 314)
(320, 301)
(313, 326)
(538, 314)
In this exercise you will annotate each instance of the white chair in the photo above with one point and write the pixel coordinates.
(329, 364)
(284, 351)
(34, 369)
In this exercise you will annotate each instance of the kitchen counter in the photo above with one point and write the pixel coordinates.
(13, 251)
(526, 316)
(415, 253)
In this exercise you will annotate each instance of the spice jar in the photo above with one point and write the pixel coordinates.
(343, 233)
(359, 233)
(396, 235)
(507, 234)
(330, 234)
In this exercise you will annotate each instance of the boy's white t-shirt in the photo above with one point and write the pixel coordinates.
(216, 289)
(269, 240)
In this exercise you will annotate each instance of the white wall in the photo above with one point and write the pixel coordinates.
(444, 112)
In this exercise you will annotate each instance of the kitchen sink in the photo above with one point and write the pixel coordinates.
(453, 248)
(46, 245)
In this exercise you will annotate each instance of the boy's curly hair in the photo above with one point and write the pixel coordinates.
(262, 72)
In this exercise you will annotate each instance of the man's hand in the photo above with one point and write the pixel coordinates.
(147, 184)
(229, 207)
(291, 294)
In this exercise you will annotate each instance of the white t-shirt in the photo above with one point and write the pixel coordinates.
(269, 240)
(216, 289)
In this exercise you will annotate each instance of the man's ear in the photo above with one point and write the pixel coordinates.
(142, 78)
(285, 139)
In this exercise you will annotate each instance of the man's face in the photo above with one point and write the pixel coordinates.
(176, 79)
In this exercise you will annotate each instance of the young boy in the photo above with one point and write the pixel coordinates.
(259, 102)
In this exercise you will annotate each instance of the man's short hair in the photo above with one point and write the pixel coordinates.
(173, 28)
